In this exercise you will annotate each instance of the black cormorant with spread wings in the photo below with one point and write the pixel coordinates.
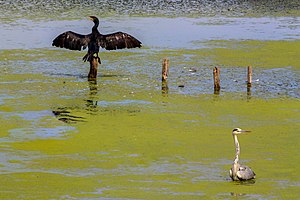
(94, 41)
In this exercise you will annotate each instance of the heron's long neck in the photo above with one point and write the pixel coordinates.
(237, 149)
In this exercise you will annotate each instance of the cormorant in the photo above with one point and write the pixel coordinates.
(95, 40)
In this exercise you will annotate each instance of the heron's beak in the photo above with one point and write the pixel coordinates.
(245, 131)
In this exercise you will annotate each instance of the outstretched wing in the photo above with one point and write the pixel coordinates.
(71, 40)
(118, 40)
(245, 173)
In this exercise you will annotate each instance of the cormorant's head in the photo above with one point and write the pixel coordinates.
(237, 131)
(94, 19)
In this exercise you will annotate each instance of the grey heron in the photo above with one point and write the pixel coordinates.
(239, 172)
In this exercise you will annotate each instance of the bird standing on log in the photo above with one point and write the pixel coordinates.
(239, 172)
(94, 41)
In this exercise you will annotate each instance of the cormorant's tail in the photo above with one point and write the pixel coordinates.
(89, 56)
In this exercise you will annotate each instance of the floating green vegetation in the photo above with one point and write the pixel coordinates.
(62, 137)
(179, 143)
(267, 54)
(258, 53)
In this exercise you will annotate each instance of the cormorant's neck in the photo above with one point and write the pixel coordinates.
(95, 27)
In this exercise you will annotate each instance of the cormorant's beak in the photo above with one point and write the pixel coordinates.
(90, 18)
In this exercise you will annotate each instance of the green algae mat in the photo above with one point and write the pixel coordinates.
(62, 137)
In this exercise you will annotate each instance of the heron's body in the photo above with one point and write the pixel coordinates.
(239, 172)
(95, 40)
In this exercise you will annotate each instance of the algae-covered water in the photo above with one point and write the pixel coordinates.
(123, 137)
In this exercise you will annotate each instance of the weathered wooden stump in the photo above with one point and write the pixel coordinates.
(165, 69)
(216, 75)
(164, 76)
(249, 81)
(92, 76)
(249, 77)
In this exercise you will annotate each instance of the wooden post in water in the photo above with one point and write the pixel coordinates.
(93, 69)
(165, 69)
(164, 76)
(249, 79)
(216, 74)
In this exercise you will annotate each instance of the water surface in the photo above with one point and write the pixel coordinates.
(63, 137)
